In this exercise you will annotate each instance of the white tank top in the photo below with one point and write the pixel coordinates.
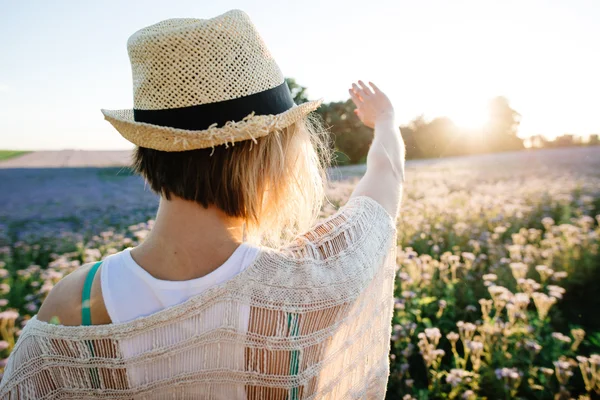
(129, 292)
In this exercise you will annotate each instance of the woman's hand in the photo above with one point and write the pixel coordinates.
(371, 105)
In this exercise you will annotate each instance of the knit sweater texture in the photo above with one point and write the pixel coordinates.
(319, 328)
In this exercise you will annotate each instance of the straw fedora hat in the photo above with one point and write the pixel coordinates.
(201, 83)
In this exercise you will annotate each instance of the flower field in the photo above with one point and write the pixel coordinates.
(498, 265)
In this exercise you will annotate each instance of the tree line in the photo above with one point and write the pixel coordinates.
(439, 137)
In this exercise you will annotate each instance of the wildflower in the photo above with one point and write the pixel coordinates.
(521, 300)
(528, 285)
(578, 335)
(434, 335)
(441, 307)
(3, 345)
(563, 371)
(403, 276)
(490, 277)
(47, 287)
(456, 375)
(469, 395)
(452, 337)
(486, 307)
(407, 294)
(466, 330)
(547, 222)
(589, 372)
(3, 273)
(9, 315)
(476, 348)
(513, 312)
(519, 270)
(500, 296)
(542, 303)
(561, 338)
(544, 272)
(547, 371)
(4, 288)
(430, 354)
(31, 307)
(91, 255)
(533, 346)
(559, 275)
(470, 308)
(3, 302)
(556, 291)
(511, 377)
(398, 304)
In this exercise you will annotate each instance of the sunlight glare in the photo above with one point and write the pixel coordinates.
(468, 113)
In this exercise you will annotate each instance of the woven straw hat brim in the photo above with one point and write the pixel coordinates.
(174, 139)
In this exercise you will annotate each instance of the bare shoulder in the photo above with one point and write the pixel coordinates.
(63, 304)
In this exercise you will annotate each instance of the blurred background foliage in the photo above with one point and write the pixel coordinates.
(439, 137)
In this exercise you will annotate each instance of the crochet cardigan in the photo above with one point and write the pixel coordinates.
(319, 328)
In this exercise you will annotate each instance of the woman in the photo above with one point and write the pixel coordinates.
(225, 299)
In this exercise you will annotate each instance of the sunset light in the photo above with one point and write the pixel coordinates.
(436, 58)
(293, 200)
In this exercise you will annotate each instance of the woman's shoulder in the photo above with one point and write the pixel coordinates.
(361, 224)
(63, 304)
(332, 263)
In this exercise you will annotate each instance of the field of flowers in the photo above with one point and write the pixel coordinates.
(498, 265)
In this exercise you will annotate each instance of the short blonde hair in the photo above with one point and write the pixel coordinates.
(275, 183)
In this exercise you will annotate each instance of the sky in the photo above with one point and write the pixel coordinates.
(62, 61)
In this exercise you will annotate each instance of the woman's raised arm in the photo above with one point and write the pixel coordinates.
(385, 160)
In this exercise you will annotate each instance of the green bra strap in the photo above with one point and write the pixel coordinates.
(294, 356)
(86, 315)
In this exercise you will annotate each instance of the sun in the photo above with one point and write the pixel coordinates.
(468, 114)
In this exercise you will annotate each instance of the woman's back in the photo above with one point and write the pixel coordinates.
(319, 313)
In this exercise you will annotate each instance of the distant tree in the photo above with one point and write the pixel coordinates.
(538, 141)
(503, 125)
(349, 136)
(411, 133)
(503, 120)
(298, 91)
(565, 140)
(594, 139)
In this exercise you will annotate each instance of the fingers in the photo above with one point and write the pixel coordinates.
(357, 90)
(367, 91)
(357, 100)
(361, 91)
(375, 88)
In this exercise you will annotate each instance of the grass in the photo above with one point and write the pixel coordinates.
(6, 154)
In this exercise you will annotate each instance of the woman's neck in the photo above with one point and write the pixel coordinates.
(188, 241)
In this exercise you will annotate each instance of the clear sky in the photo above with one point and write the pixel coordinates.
(62, 61)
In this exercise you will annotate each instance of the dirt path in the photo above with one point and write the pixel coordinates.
(69, 158)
